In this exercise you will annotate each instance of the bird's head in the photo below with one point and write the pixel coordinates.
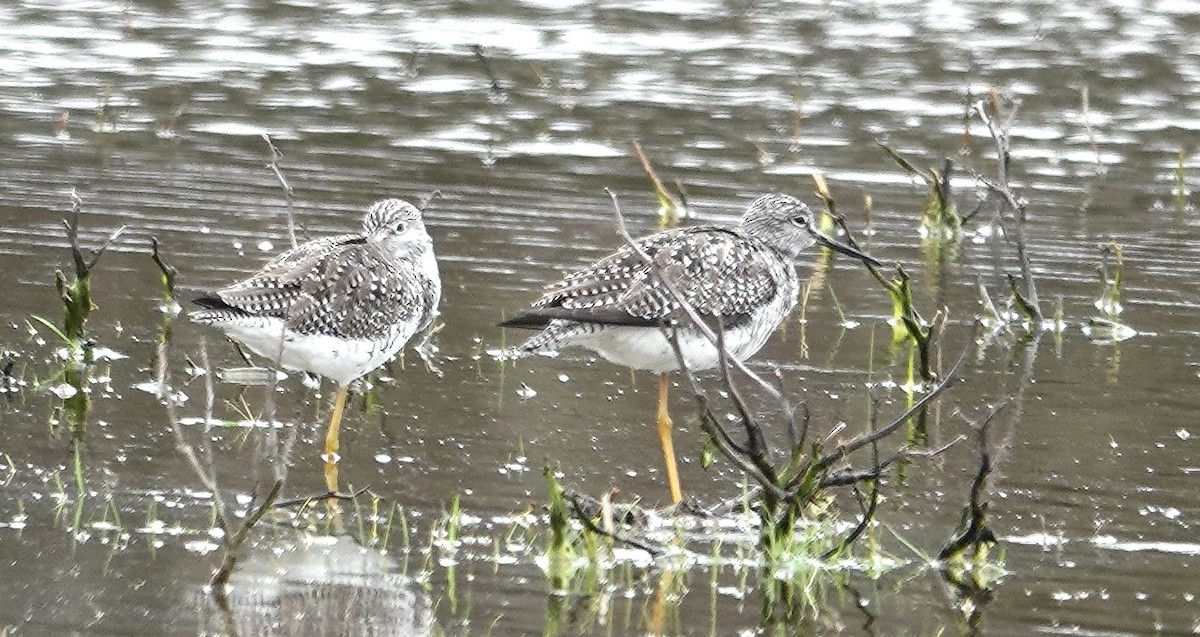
(397, 227)
(786, 224)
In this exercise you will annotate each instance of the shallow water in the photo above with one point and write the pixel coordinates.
(165, 104)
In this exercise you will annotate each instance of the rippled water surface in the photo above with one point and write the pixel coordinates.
(154, 113)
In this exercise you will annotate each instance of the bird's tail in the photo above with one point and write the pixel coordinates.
(554, 336)
(216, 310)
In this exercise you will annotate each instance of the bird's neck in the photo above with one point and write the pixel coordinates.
(766, 239)
(420, 255)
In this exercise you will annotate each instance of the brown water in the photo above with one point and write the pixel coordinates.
(1094, 498)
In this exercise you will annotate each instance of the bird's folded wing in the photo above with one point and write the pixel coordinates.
(720, 274)
(343, 289)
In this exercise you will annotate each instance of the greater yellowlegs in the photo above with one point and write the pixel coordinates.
(337, 307)
(742, 276)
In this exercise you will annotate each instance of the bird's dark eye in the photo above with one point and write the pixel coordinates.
(800, 220)
(400, 228)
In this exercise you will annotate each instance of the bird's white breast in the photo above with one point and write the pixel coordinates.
(339, 359)
(648, 348)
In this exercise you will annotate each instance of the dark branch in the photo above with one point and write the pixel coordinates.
(858, 443)
(328, 495)
(168, 271)
(975, 531)
(497, 89)
(582, 515)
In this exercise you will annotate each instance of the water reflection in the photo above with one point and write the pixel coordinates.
(320, 585)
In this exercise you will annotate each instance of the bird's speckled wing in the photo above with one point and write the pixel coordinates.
(720, 272)
(341, 286)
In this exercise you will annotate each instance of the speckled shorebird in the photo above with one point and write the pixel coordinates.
(337, 307)
(741, 277)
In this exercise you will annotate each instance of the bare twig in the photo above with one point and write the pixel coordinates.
(951, 376)
(233, 546)
(83, 266)
(979, 207)
(168, 271)
(868, 511)
(582, 515)
(974, 530)
(717, 433)
(493, 82)
(797, 437)
(210, 396)
(999, 134)
(864, 520)
(871, 478)
(1085, 110)
(205, 471)
(849, 476)
(287, 188)
(328, 495)
(756, 445)
(428, 199)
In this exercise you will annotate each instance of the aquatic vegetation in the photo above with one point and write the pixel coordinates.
(1109, 302)
(76, 292)
(671, 207)
(79, 354)
(907, 323)
(940, 221)
(560, 554)
(1107, 327)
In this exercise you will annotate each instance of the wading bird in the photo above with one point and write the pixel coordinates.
(337, 307)
(741, 278)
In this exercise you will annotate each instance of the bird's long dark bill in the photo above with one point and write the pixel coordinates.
(834, 244)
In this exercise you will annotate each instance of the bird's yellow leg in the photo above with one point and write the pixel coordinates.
(331, 440)
(664, 436)
(666, 599)
(655, 623)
